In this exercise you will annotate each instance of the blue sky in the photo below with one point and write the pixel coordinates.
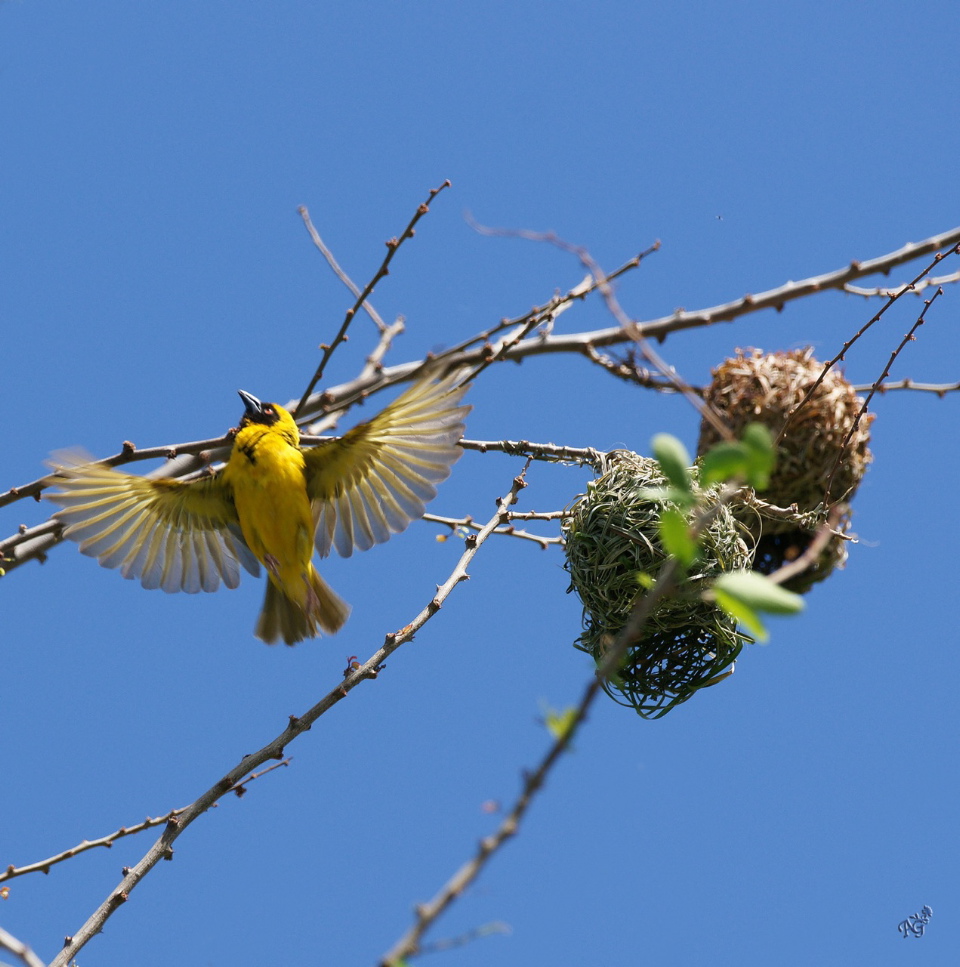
(153, 160)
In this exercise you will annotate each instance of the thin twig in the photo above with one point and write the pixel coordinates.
(356, 673)
(859, 334)
(916, 289)
(43, 866)
(827, 530)
(581, 343)
(776, 299)
(478, 933)
(909, 337)
(940, 389)
(427, 914)
(19, 949)
(628, 325)
(374, 362)
(545, 313)
(337, 270)
(507, 530)
(631, 372)
(393, 244)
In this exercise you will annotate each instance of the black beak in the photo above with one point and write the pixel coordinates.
(252, 405)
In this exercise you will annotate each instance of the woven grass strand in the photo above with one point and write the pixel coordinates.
(768, 388)
(610, 537)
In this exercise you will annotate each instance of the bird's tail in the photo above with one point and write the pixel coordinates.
(283, 618)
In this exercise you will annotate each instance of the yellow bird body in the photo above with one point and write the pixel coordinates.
(273, 503)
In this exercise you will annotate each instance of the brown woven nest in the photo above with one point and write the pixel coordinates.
(611, 537)
(768, 388)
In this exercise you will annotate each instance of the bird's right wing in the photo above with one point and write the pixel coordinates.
(378, 477)
(171, 534)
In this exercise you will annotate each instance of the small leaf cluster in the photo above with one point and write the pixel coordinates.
(744, 595)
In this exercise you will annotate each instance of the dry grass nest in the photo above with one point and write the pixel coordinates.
(611, 536)
(768, 388)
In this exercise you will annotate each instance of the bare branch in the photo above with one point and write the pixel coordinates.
(827, 530)
(43, 866)
(393, 245)
(915, 288)
(909, 337)
(19, 949)
(337, 271)
(859, 333)
(727, 312)
(478, 933)
(507, 530)
(355, 674)
(427, 914)
(941, 389)
(550, 452)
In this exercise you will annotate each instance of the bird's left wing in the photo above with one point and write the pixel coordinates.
(377, 478)
(171, 534)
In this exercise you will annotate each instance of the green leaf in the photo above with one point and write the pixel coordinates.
(645, 580)
(559, 723)
(758, 592)
(675, 537)
(674, 460)
(723, 461)
(762, 455)
(741, 613)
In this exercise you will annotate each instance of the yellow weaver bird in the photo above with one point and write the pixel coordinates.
(272, 503)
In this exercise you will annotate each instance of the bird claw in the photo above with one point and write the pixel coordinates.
(272, 565)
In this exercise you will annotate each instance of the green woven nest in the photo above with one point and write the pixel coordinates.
(612, 535)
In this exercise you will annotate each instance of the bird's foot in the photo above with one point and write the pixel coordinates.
(272, 565)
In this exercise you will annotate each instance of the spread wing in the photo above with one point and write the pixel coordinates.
(171, 534)
(377, 478)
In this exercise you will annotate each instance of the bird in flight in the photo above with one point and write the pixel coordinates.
(271, 504)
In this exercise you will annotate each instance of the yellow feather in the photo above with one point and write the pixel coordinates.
(272, 504)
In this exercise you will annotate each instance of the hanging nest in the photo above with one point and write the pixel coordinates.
(610, 537)
(772, 551)
(768, 388)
